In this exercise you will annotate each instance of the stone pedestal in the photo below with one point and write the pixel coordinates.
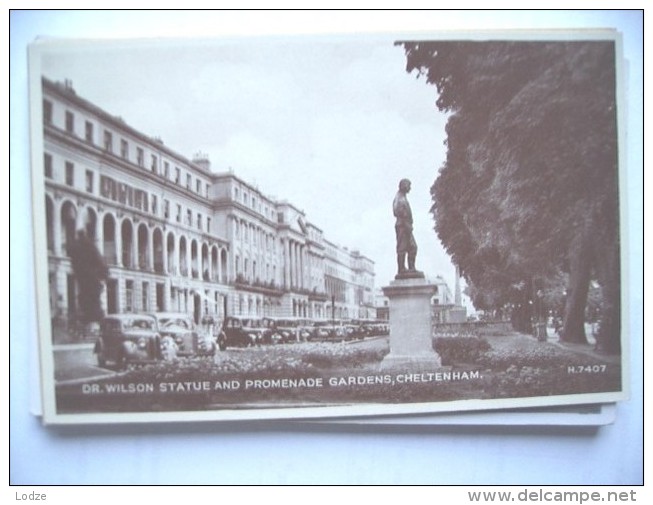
(411, 345)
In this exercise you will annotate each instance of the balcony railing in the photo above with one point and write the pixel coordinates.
(265, 287)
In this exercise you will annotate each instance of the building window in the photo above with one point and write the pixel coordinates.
(166, 169)
(199, 221)
(70, 122)
(89, 181)
(154, 204)
(154, 164)
(145, 297)
(89, 132)
(47, 112)
(140, 156)
(124, 149)
(198, 186)
(236, 194)
(129, 296)
(177, 175)
(178, 213)
(47, 164)
(189, 181)
(166, 208)
(70, 173)
(207, 189)
(108, 141)
(208, 225)
(189, 217)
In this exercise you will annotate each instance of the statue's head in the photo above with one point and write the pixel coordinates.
(404, 185)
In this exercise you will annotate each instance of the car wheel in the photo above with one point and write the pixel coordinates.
(101, 360)
(121, 362)
(222, 342)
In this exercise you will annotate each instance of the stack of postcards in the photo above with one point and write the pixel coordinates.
(366, 229)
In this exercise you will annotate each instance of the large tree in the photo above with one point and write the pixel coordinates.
(90, 271)
(529, 185)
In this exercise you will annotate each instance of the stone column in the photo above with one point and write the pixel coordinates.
(290, 265)
(189, 259)
(293, 274)
(300, 283)
(176, 255)
(411, 347)
(164, 253)
(286, 270)
(219, 265)
(99, 233)
(209, 262)
(297, 261)
(56, 228)
(302, 256)
(117, 235)
(150, 250)
(134, 251)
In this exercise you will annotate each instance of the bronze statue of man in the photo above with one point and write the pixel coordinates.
(406, 245)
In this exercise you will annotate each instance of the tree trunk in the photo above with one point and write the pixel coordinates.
(522, 310)
(608, 338)
(579, 280)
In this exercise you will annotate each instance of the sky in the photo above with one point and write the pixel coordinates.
(329, 124)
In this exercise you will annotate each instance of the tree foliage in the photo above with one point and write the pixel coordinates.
(90, 272)
(528, 189)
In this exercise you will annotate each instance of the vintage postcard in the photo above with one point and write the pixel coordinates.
(322, 227)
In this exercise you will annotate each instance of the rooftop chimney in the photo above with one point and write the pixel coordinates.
(202, 160)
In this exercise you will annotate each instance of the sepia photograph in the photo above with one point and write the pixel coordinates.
(327, 226)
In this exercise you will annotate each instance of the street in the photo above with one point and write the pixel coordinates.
(77, 363)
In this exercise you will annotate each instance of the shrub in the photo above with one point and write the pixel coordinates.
(460, 349)
(329, 355)
(544, 356)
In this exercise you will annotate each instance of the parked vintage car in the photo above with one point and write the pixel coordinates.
(291, 329)
(329, 330)
(243, 331)
(353, 330)
(128, 339)
(188, 338)
(372, 327)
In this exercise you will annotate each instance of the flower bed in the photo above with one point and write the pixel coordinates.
(334, 373)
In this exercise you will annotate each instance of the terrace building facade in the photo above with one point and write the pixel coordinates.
(176, 236)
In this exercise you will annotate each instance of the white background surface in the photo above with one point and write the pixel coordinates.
(282, 453)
